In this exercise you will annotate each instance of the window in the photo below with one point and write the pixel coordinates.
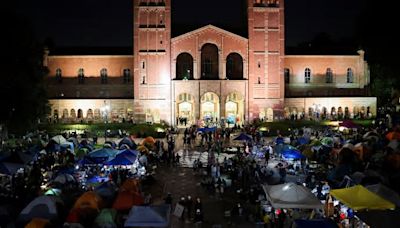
(184, 66)
(307, 75)
(103, 76)
(259, 64)
(127, 75)
(144, 80)
(329, 76)
(287, 75)
(350, 77)
(59, 75)
(81, 76)
(234, 66)
(143, 65)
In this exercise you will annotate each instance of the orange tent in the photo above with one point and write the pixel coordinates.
(37, 223)
(88, 200)
(131, 185)
(393, 135)
(125, 200)
(149, 139)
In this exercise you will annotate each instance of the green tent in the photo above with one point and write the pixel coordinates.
(106, 218)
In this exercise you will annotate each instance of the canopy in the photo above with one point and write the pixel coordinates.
(44, 207)
(291, 195)
(59, 139)
(315, 223)
(153, 216)
(385, 192)
(290, 152)
(243, 136)
(359, 198)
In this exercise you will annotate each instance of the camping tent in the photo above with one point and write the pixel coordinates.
(359, 198)
(89, 200)
(243, 136)
(153, 216)
(106, 218)
(9, 168)
(127, 141)
(290, 152)
(44, 207)
(291, 195)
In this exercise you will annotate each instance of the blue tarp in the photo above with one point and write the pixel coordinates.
(290, 152)
(243, 136)
(148, 216)
(315, 223)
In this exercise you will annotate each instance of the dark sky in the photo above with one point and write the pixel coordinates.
(108, 23)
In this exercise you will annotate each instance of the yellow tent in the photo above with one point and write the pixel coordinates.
(360, 198)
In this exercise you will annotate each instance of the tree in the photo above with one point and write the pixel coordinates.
(22, 89)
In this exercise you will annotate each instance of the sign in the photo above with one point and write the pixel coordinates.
(178, 210)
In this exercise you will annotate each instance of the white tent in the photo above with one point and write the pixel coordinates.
(291, 195)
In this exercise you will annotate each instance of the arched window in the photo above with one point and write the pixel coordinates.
(127, 75)
(184, 66)
(329, 76)
(103, 76)
(209, 62)
(73, 113)
(89, 113)
(286, 74)
(234, 67)
(80, 113)
(81, 76)
(55, 114)
(350, 77)
(59, 75)
(307, 75)
(65, 113)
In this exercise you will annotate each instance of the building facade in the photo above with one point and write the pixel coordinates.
(208, 74)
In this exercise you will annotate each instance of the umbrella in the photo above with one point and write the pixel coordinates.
(243, 136)
(59, 139)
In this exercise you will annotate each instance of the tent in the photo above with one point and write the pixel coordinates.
(127, 141)
(53, 192)
(38, 223)
(103, 153)
(106, 218)
(291, 195)
(128, 153)
(243, 136)
(385, 192)
(88, 200)
(206, 129)
(64, 178)
(290, 152)
(120, 160)
(59, 139)
(126, 199)
(44, 207)
(359, 198)
(149, 139)
(131, 185)
(315, 223)
(9, 168)
(153, 216)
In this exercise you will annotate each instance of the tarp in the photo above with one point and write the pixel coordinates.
(385, 192)
(315, 223)
(291, 195)
(243, 136)
(360, 198)
(148, 216)
(44, 207)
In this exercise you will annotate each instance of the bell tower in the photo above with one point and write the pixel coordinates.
(151, 48)
(266, 55)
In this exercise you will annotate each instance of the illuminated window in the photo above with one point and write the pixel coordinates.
(350, 76)
(81, 76)
(329, 76)
(287, 75)
(59, 75)
(103, 76)
(307, 75)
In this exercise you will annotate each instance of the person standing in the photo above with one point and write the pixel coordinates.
(189, 207)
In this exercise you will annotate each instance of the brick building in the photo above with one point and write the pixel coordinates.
(207, 74)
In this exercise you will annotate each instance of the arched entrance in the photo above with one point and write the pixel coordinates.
(234, 108)
(209, 108)
(185, 109)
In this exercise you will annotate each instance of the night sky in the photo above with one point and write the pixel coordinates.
(107, 23)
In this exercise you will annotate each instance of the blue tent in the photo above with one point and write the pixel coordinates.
(315, 223)
(131, 154)
(9, 168)
(243, 136)
(207, 129)
(120, 160)
(292, 153)
(148, 216)
(303, 140)
(279, 140)
(127, 141)
(103, 153)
